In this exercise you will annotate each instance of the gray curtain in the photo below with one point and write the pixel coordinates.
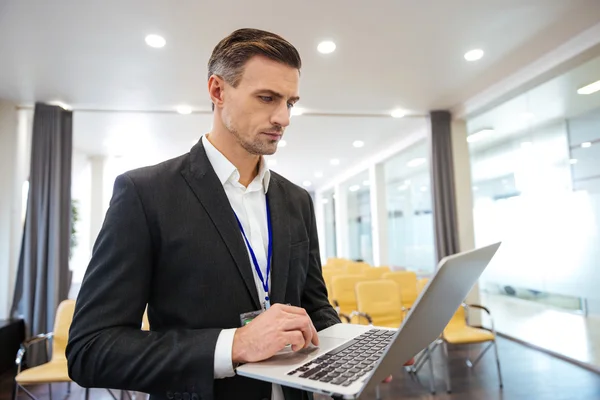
(43, 277)
(442, 173)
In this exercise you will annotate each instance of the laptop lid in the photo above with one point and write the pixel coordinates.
(437, 303)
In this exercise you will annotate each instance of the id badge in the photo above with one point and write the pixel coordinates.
(246, 318)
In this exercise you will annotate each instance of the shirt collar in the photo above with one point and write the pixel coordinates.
(226, 171)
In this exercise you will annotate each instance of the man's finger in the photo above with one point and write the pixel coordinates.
(302, 324)
(296, 339)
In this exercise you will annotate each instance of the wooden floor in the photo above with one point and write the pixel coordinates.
(528, 375)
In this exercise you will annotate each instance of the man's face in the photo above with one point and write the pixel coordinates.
(257, 111)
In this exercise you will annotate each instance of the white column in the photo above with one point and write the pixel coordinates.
(379, 219)
(15, 133)
(97, 198)
(464, 201)
(320, 216)
(341, 221)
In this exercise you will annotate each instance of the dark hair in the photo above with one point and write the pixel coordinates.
(231, 54)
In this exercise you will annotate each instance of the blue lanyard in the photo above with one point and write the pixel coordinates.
(263, 280)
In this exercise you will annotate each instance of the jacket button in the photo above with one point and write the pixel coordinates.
(177, 396)
(170, 395)
(195, 396)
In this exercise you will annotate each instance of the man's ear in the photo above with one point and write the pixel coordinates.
(216, 88)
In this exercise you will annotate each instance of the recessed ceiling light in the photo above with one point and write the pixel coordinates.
(358, 143)
(155, 41)
(185, 110)
(403, 187)
(586, 145)
(282, 143)
(318, 174)
(526, 145)
(415, 162)
(573, 161)
(366, 183)
(354, 188)
(272, 162)
(475, 188)
(474, 55)
(326, 47)
(424, 188)
(589, 89)
(325, 201)
(398, 113)
(407, 182)
(334, 161)
(60, 104)
(480, 135)
(307, 183)
(297, 111)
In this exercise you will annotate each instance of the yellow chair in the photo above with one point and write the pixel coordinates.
(328, 275)
(55, 370)
(407, 282)
(378, 302)
(376, 273)
(356, 268)
(421, 284)
(458, 332)
(343, 294)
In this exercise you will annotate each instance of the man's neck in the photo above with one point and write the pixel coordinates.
(247, 164)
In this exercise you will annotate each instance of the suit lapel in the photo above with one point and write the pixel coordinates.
(205, 184)
(281, 240)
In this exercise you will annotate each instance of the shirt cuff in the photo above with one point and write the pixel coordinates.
(223, 350)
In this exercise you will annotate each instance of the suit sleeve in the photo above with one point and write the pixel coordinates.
(106, 347)
(314, 297)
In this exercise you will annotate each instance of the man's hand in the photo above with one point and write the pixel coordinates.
(271, 331)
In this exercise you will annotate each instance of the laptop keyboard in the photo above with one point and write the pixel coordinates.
(347, 363)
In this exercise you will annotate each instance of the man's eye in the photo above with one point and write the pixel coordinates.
(266, 99)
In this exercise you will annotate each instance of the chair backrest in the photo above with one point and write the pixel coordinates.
(421, 283)
(357, 268)
(375, 273)
(407, 281)
(380, 300)
(62, 323)
(343, 291)
(458, 320)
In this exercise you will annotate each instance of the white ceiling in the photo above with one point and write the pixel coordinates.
(552, 101)
(390, 54)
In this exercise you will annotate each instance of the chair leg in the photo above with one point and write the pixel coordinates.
(498, 365)
(377, 393)
(50, 391)
(15, 392)
(448, 387)
(68, 387)
(87, 393)
(432, 379)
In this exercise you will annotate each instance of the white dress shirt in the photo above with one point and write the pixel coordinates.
(249, 204)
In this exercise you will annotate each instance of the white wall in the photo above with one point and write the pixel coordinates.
(15, 138)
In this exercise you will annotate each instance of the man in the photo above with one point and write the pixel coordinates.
(202, 240)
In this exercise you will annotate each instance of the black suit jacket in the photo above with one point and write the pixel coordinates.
(170, 240)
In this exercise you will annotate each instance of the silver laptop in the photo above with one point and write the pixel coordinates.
(352, 360)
